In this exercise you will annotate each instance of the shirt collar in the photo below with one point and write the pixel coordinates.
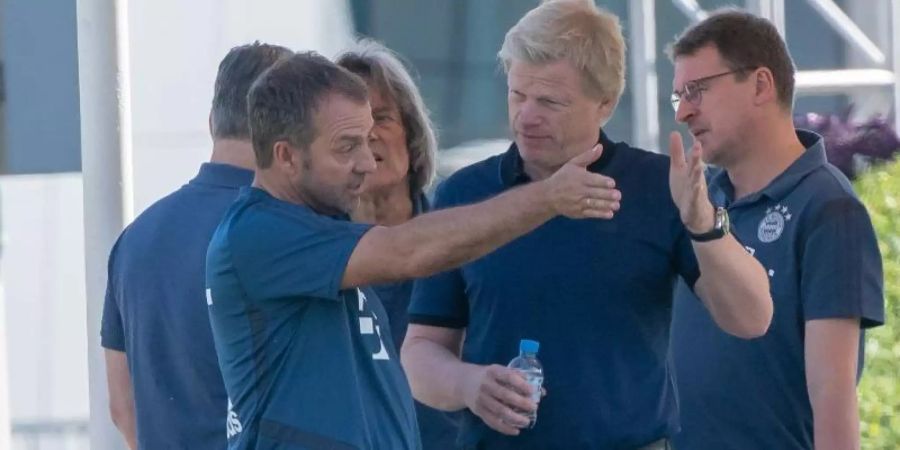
(811, 159)
(226, 175)
(512, 168)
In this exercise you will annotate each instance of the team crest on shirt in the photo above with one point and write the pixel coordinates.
(771, 226)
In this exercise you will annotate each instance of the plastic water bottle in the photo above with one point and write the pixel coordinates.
(528, 364)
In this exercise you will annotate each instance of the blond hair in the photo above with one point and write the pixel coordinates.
(578, 31)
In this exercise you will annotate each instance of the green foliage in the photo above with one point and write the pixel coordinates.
(879, 390)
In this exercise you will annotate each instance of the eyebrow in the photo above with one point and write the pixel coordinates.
(384, 109)
(352, 139)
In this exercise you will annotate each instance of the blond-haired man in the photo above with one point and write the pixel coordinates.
(597, 294)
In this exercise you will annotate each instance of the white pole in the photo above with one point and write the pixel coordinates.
(770, 9)
(105, 151)
(645, 106)
(4, 379)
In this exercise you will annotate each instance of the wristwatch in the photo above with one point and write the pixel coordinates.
(721, 227)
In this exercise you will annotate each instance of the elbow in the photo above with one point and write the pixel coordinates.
(407, 360)
(119, 414)
(754, 322)
(420, 263)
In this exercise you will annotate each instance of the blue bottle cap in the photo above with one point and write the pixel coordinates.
(529, 346)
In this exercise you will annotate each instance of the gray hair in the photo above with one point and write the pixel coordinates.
(574, 30)
(383, 68)
(237, 72)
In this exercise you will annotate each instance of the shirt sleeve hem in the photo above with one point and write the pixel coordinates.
(437, 321)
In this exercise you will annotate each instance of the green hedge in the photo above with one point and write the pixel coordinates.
(879, 390)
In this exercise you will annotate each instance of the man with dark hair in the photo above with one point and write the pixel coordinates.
(795, 387)
(165, 388)
(300, 339)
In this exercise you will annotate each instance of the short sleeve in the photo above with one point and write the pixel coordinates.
(685, 259)
(279, 253)
(841, 271)
(440, 300)
(112, 332)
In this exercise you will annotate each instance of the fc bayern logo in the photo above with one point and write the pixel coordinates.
(771, 227)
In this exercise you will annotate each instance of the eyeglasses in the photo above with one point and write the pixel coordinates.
(693, 90)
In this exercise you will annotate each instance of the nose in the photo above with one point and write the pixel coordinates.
(528, 115)
(365, 160)
(685, 111)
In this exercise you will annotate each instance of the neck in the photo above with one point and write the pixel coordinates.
(277, 187)
(393, 205)
(235, 152)
(539, 172)
(765, 156)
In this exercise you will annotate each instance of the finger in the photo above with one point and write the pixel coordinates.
(676, 150)
(601, 205)
(516, 381)
(612, 195)
(696, 158)
(499, 425)
(513, 392)
(596, 214)
(503, 414)
(585, 159)
(600, 181)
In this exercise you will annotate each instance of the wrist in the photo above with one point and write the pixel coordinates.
(542, 191)
(703, 222)
(466, 375)
(720, 227)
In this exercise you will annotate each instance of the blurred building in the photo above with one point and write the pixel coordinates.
(174, 48)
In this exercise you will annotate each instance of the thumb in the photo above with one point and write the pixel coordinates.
(676, 150)
(585, 159)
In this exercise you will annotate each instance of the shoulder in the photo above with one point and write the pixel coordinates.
(257, 223)
(471, 183)
(643, 160)
(826, 187)
(158, 214)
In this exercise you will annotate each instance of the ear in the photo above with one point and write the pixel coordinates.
(605, 109)
(282, 154)
(765, 90)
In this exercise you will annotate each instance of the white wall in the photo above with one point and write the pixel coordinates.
(175, 48)
(43, 282)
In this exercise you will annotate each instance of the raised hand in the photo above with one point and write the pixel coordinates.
(578, 193)
(687, 181)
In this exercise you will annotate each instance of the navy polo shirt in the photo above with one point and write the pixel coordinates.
(815, 240)
(307, 364)
(155, 312)
(597, 294)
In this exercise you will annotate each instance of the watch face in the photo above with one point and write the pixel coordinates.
(724, 222)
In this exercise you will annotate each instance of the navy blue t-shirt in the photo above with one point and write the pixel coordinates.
(155, 312)
(816, 242)
(306, 364)
(597, 294)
